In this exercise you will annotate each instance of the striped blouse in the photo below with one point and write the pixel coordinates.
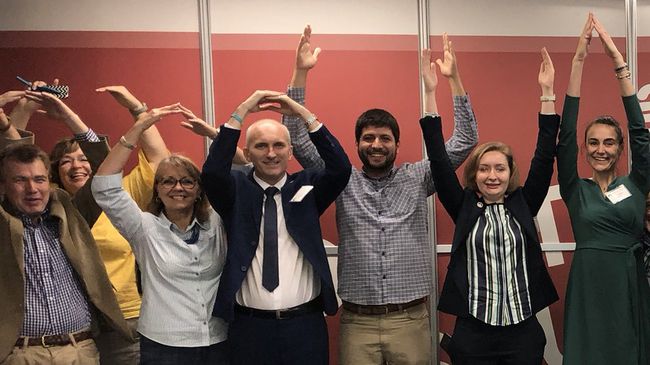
(496, 269)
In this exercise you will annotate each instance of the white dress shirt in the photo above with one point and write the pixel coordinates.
(179, 280)
(298, 283)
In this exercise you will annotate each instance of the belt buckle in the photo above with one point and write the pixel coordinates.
(43, 342)
(278, 314)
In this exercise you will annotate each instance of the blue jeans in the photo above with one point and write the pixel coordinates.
(154, 353)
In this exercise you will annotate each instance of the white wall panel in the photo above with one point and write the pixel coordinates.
(328, 16)
(523, 17)
(459, 17)
(93, 15)
(643, 15)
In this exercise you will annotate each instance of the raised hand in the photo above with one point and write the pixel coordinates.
(546, 75)
(584, 40)
(50, 105)
(10, 97)
(253, 102)
(428, 70)
(447, 65)
(147, 119)
(306, 58)
(283, 104)
(122, 95)
(197, 125)
(608, 43)
(4, 121)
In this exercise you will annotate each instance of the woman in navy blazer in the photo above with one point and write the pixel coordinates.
(497, 279)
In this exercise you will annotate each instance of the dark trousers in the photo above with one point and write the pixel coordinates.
(296, 341)
(154, 353)
(477, 343)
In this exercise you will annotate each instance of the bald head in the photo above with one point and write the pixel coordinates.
(268, 147)
(267, 126)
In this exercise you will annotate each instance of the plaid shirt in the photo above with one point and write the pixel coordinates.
(384, 246)
(55, 301)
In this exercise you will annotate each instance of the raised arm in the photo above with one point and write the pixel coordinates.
(306, 59)
(217, 181)
(151, 141)
(430, 80)
(620, 66)
(57, 110)
(541, 168)
(465, 134)
(639, 138)
(25, 108)
(450, 191)
(119, 155)
(7, 129)
(199, 127)
(567, 149)
(575, 78)
(333, 178)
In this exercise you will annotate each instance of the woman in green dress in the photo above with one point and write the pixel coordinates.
(607, 309)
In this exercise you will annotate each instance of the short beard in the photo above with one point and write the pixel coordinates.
(381, 170)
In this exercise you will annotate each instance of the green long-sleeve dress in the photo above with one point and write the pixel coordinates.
(607, 307)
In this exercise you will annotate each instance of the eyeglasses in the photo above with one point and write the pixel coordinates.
(170, 182)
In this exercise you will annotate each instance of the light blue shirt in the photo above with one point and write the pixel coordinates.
(179, 280)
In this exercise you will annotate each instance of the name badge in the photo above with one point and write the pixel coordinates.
(618, 194)
(301, 193)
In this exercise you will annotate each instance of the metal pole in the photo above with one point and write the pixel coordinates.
(631, 53)
(423, 43)
(205, 49)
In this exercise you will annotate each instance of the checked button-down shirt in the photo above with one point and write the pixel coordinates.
(55, 301)
(384, 245)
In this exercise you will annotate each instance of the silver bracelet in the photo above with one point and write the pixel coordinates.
(135, 112)
(126, 144)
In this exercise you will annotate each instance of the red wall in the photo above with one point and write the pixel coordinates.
(354, 73)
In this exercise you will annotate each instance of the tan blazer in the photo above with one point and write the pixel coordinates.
(81, 250)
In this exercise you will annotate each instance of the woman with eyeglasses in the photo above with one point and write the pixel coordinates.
(179, 243)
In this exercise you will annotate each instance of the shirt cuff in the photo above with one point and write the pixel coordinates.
(296, 93)
(88, 136)
(106, 182)
(317, 128)
(462, 99)
(231, 127)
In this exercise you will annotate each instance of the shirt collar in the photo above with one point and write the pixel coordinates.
(166, 222)
(9, 208)
(263, 184)
(382, 178)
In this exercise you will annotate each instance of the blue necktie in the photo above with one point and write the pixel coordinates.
(270, 261)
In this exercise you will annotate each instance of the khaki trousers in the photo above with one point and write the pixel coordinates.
(76, 353)
(397, 338)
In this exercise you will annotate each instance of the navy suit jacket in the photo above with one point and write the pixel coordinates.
(238, 199)
(465, 206)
